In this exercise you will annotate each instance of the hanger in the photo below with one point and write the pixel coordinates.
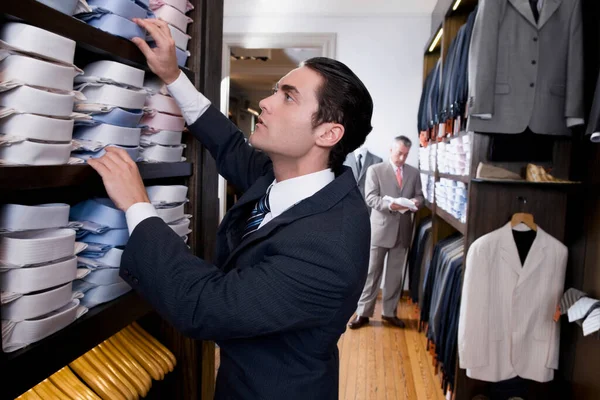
(523, 218)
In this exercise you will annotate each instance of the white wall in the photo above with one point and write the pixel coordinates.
(385, 52)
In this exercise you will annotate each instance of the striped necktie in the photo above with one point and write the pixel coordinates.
(257, 215)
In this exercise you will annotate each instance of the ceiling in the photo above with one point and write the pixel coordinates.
(328, 7)
(256, 78)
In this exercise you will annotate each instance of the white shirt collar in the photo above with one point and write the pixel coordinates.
(361, 150)
(286, 194)
(395, 167)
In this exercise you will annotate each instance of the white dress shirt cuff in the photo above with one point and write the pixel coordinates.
(137, 213)
(191, 102)
(571, 122)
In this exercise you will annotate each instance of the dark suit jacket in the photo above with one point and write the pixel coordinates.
(275, 302)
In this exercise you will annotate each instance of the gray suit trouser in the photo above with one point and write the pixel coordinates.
(391, 286)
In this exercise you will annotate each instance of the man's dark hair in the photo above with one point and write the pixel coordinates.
(345, 100)
(407, 142)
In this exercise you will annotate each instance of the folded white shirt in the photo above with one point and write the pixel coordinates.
(401, 201)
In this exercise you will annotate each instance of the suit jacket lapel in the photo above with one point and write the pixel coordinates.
(510, 253)
(366, 163)
(548, 9)
(351, 162)
(319, 202)
(535, 257)
(239, 213)
(524, 9)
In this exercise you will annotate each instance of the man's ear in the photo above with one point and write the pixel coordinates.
(330, 135)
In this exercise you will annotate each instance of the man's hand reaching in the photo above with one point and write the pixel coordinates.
(162, 59)
(121, 178)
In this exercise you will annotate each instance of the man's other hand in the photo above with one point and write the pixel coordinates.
(162, 59)
(121, 178)
(396, 207)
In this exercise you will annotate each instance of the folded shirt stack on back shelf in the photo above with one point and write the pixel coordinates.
(104, 230)
(114, 100)
(36, 96)
(455, 157)
(173, 13)
(169, 202)
(163, 125)
(116, 16)
(451, 196)
(428, 184)
(427, 158)
(38, 265)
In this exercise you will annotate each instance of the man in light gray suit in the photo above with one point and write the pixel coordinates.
(360, 160)
(391, 231)
(526, 67)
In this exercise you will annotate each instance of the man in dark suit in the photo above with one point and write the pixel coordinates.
(292, 253)
(360, 160)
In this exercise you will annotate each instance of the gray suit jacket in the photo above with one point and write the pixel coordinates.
(370, 159)
(389, 228)
(523, 73)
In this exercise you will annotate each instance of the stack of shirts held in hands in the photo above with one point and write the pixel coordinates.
(37, 267)
(114, 100)
(163, 126)
(104, 230)
(173, 13)
(115, 16)
(36, 96)
(169, 202)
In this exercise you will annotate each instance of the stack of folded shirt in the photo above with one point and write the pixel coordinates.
(36, 96)
(426, 155)
(169, 202)
(451, 196)
(68, 7)
(37, 267)
(455, 157)
(104, 230)
(428, 184)
(163, 126)
(114, 101)
(173, 12)
(115, 16)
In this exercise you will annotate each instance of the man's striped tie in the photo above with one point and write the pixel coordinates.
(257, 215)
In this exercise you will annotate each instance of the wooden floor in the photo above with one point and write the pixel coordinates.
(383, 362)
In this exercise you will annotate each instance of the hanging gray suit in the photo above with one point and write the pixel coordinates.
(361, 175)
(524, 73)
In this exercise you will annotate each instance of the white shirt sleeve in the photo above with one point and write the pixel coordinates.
(191, 102)
(137, 213)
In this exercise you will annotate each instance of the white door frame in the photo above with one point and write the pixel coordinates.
(326, 41)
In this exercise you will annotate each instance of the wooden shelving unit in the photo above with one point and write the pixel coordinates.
(27, 367)
(557, 207)
(456, 224)
(459, 178)
(194, 375)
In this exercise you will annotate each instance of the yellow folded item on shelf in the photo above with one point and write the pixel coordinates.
(535, 173)
(121, 368)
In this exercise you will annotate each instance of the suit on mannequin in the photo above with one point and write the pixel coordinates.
(391, 230)
(360, 160)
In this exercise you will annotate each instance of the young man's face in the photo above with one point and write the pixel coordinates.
(285, 124)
